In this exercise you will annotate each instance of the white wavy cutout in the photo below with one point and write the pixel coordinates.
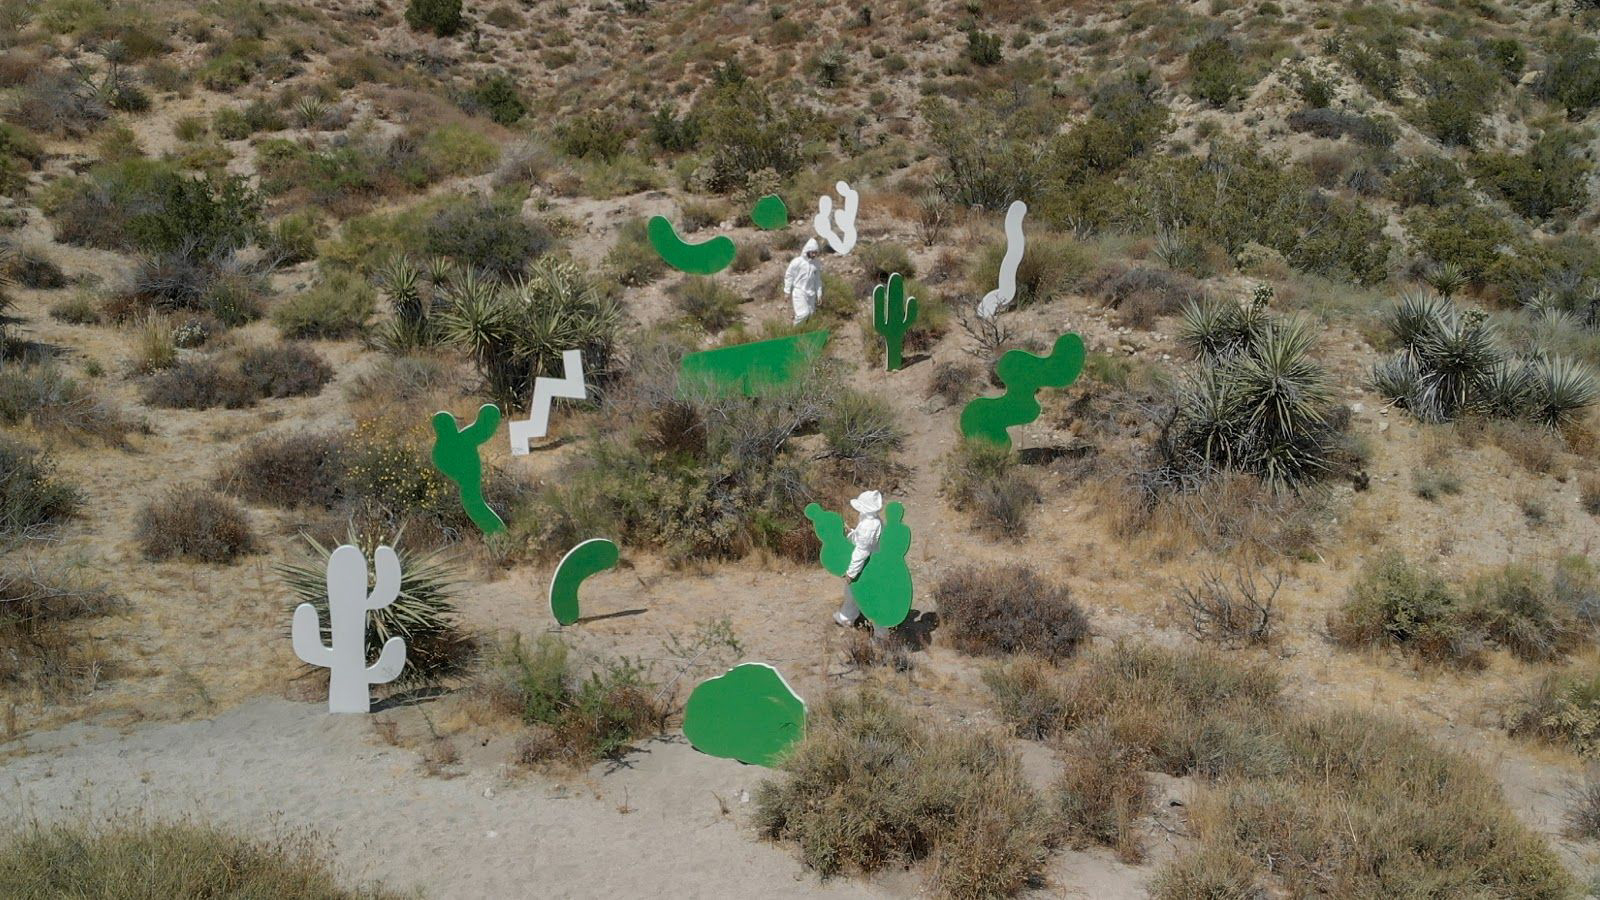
(545, 390)
(826, 218)
(996, 300)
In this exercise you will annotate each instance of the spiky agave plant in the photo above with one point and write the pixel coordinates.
(1558, 389)
(424, 614)
(1416, 317)
(1282, 400)
(410, 326)
(1446, 278)
(1457, 360)
(1398, 379)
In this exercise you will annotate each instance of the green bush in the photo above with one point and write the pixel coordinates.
(1571, 74)
(633, 260)
(1394, 602)
(706, 303)
(1428, 180)
(337, 306)
(1545, 179)
(1458, 91)
(141, 204)
(30, 494)
(1519, 608)
(442, 17)
(485, 235)
(1215, 73)
(1466, 236)
(745, 131)
(498, 96)
(983, 48)
(1050, 266)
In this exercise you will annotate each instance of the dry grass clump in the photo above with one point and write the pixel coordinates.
(1009, 609)
(132, 859)
(982, 480)
(573, 719)
(31, 496)
(282, 370)
(298, 469)
(54, 402)
(39, 651)
(195, 524)
(873, 785)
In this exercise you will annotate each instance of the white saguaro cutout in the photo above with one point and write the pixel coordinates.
(544, 391)
(348, 604)
(826, 218)
(996, 300)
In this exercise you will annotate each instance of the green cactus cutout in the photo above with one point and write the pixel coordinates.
(705, 258)
(749, 714)
(1023, 374)
(753, 367)
(455, 452)
(892, 316)
(883, 590)
(588, 558)
(770, 213)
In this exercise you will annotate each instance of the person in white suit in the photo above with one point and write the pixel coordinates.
(802, 281)
(865, 538)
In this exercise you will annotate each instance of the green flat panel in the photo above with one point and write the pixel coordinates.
(591, 556)
(893, 314)
(1023, 374)
(770, 213)
(749, 714)
(883, 590)
(753, 366)
(455, 452)
(705, 258)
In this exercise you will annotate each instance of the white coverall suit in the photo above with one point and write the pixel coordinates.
(802, 281)
(865, 538)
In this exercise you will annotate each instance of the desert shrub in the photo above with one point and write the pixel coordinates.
(1571, 73)
(485, 235)
(1563, 708)
(1520, 609)
(705, 302)
(633, 260)
(337, 306)
(195, 524)
(1583, 810)
(575, 719)
(983, 48)
(64, 104)
(1141, 294)
(1336, 123)
(57, 404)
(672, 132)
(1102, 793)
(1397, 603)
(284, 370)
(1232, 613)
(592, 136)
(423, 615)
(198, 384)
(148, 205)
(1049, 266)
(173, 859)
(872, 785)
(980, 479)
(292, 239)
(1470, 237)
(78, 309)
(1538, 183)
(986, 163)
(220, 285)
(1215, 73)
(1457, 92)
(951, 382)
(299, 469)
(1027, 694)
(31, 496)
(40, 650)
(516, 333)
(860, 434)
(442, 17)
(1009, 609)
(30, 268)
(744, 130)
(1428, 180)
(1434, 483)
(498, 96)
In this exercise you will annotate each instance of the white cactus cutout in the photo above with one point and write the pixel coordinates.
(570, 385)
(996, 300)
(826, 218)
(348, 604)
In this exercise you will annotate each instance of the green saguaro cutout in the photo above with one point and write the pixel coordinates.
(749, 714)
(455, 452)
(1023, 374)
(892, 316)
(588, 558)
(883, 590)
(752, 367)
(705, 258)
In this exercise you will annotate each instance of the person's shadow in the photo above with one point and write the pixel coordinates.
(916, 632)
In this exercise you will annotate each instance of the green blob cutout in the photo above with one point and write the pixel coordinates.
(455, 452)
(883, 589)
(591, 556)
(892, 316)
(749, 714)
(770, 213)
(1023, 374)
(751, 367)
(705, 258)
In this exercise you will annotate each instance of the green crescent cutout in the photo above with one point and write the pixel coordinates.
(1023, 374)
(705, 258)
(751, 367)
(883, 590)
(455, 452)
(770, 213)
(591, 556)
(749, 714)
(893, 314)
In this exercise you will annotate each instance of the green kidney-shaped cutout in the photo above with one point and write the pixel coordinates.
(591, 556)
(705, 258)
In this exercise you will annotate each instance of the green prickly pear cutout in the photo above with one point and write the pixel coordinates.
(749, 714)
(883, 590)
(770, 213)
(892, 316)
(455, 452)
(1023, 374)
(705, 258)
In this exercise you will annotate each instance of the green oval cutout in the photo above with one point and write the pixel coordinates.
(705, 258)
(591, 556)
(770, 213)
(749, 714)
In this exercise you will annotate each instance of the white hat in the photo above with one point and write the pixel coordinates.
(868, 503)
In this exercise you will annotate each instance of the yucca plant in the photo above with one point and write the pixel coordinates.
(1214, 330)
(411, 325)
(310, 110)
(1457, 360)
(424, 614)
(1558, 389)
(1446, 278)
(1416, 316)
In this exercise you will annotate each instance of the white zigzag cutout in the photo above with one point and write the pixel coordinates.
(544, 391)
